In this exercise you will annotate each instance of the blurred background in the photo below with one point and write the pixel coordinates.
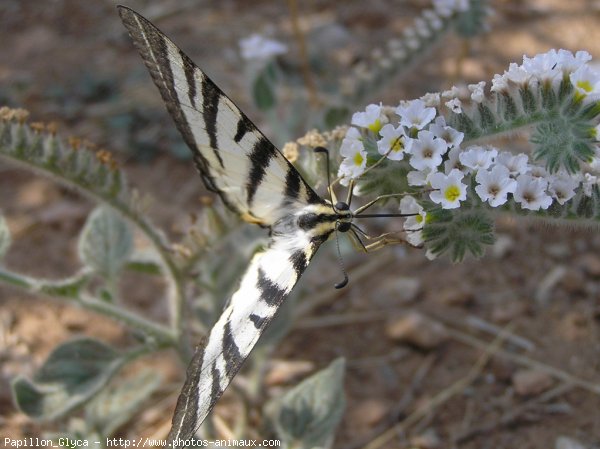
(70, 62)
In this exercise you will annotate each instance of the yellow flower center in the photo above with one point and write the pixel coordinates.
(419, 219)
(585, 85)
(452, 193)
(358, 159)
(396, 145)
(375, 126)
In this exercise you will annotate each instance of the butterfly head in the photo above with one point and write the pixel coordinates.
(344, 216)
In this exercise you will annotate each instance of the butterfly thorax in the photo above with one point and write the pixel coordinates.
(319, 219)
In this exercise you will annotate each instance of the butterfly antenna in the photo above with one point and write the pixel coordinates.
(343, 283)
(341, 262)
(326, 151)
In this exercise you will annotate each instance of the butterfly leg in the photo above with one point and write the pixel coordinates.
(378, 241)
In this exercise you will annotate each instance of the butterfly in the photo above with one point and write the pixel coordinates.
(254, 179)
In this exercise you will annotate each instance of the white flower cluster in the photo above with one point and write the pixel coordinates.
(440, 162)
(552, 67)
(260, 48)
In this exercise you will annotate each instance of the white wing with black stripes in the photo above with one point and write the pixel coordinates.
(253, 178)
(233, 157)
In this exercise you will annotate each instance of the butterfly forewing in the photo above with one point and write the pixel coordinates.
(234, 158)
(254, 179)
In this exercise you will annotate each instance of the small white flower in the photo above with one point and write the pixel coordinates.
(453, 92)
(517, 164)
(452, 137)
(355, 156)
(495, 185)
(372, 118)
(477, 92)
(453, 161)
(478, 158)
(415, 114)
(446, 8)
(418, 177)
(537, 171)
(586, 82)
(409, 205)
(595, 164)
(394, 143)
(569, 63)
(531, 193)
(499, 83)
(413, 43)
(413, 225)
(434, 20)
(431, 99)
(517, 74)
(455, 105)
(450, 191)
(260, 48)
(422, 28)
(562, 187)
(588, 184)
(543, 66)
(596, 133)
(427, 151)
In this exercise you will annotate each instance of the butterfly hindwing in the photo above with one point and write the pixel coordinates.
(268, 280)
(233, 157)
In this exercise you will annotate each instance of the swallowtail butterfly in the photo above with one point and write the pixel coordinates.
(253, 179)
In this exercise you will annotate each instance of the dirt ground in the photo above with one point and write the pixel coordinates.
(70, 62)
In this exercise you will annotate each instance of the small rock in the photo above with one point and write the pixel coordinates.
(282, 372)
(506, 311)
(574, 326)
(457, 297)
(573, 282)
(369, 412)
(398, 291)
(531, 382)
(417, 330)
(590, 264)
(563, 442)
(427, 440)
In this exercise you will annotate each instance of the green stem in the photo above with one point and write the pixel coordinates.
(163, 336)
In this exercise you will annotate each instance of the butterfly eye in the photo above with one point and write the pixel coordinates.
(343, 226)
(340, 205)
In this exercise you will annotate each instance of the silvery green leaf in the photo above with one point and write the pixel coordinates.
(307, 415)
(114, 406)
(105, 242)
(4, 237)
(72, 374)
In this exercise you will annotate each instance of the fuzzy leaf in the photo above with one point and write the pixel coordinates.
(458, 232)
(71, 375)
(5, 239)
(307, 415)
(105, 242)
(115, 406)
